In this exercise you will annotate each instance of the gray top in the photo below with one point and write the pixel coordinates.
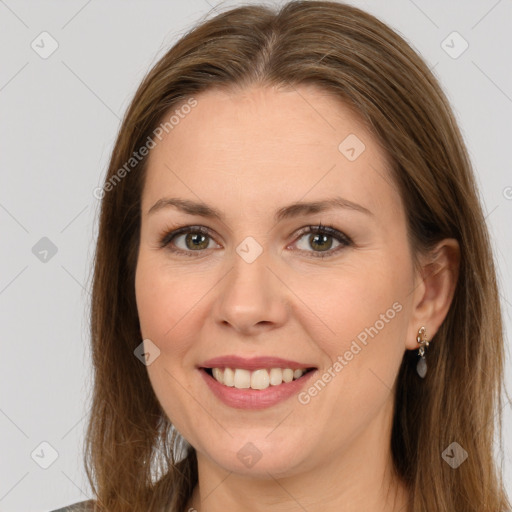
(81, 506)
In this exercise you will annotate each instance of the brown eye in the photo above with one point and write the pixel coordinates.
(321, 239)
(320, 242)
(196, 241)
(187, 240)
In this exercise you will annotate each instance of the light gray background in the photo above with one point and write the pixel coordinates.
(59, 118)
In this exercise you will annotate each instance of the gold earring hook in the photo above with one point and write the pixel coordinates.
(422, 340)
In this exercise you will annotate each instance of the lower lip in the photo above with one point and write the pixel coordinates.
(255, 398)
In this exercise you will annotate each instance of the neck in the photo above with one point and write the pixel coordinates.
(280, 495)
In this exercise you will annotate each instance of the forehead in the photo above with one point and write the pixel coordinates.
(268, 145)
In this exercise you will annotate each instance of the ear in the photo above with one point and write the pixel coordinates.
(436, 280)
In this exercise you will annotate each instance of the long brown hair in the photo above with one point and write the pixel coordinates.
(131, 458)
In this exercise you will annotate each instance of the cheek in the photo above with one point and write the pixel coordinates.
(164, 299)
(359, 323)
(356, 303)
(165, 303)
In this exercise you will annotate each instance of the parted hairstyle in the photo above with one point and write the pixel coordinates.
(132, 457)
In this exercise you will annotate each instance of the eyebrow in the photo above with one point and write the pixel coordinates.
(287, 212)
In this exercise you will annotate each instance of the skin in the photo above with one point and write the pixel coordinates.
(248, 154)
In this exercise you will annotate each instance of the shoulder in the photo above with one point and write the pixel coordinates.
(81, 506)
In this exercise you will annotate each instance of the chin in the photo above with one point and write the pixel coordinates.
(259, 456)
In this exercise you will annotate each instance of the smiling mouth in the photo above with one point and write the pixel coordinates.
(260, 379)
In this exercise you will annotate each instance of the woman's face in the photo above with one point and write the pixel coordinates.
(259, 287)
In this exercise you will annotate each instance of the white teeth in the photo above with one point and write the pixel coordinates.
(242, 379)
(276, 376)
(229, 377)
(218, 374)
(258, 379)
(287, 375)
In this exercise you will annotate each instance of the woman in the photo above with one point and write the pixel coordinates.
(293, 274)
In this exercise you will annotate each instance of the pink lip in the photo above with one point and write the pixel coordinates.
(253, 363)
(255, 398)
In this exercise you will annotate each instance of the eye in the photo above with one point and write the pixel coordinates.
(193, 239)
(320, 238)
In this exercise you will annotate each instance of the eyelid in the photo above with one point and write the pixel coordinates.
(329, 230)
(171, 233)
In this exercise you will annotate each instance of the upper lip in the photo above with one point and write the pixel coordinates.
(253, 363)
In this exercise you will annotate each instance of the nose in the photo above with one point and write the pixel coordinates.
(252, 298)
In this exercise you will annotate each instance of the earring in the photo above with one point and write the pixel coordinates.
(421, 367)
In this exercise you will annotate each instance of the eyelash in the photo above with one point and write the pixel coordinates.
(167, 237)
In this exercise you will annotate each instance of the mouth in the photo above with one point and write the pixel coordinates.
(255, 382)
(258, 379)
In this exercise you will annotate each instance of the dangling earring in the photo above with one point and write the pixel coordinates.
(421, 367)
